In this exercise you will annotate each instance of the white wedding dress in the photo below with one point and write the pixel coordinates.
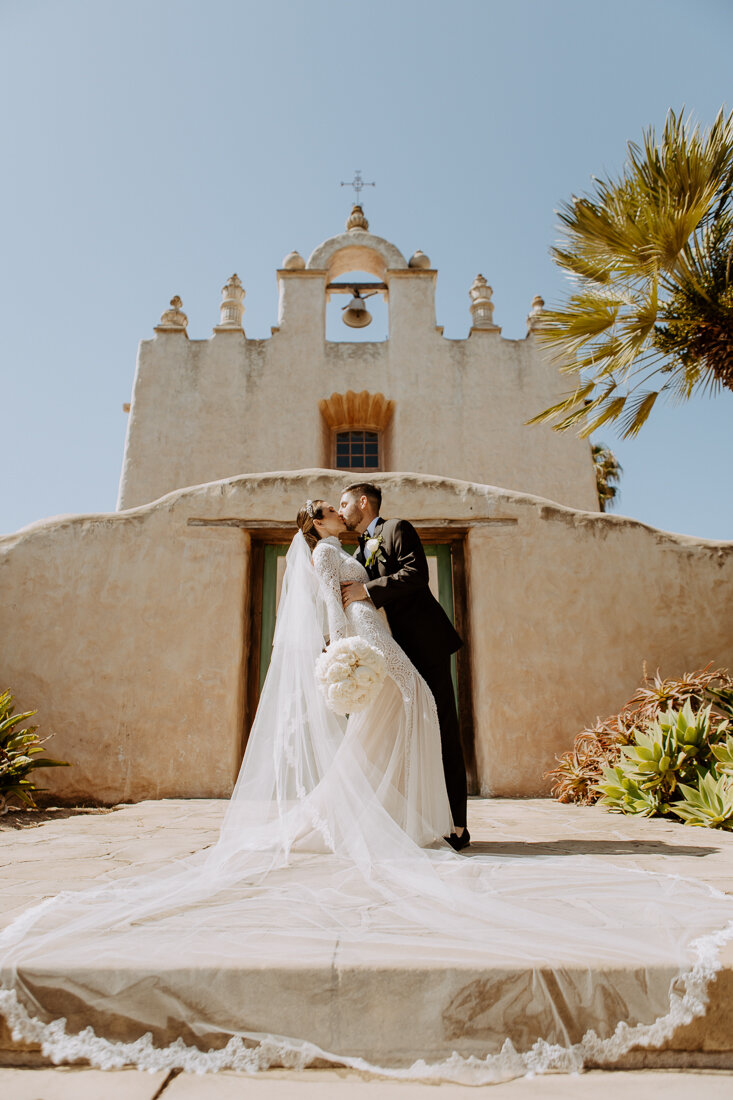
(325, 874)
(397, 739)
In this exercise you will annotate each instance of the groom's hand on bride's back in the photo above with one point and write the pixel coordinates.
(352, 592)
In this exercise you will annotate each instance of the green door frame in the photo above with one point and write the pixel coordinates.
(269, 591)
(442, 551)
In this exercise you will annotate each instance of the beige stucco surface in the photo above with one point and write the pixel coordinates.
(129, 631)
(202, 410)
(566, 608)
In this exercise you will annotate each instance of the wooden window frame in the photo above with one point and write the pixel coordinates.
(336, 432)
(357, 412)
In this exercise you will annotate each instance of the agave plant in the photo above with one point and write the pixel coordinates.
(676, 750)
(668, 750)
(710, 803)
(724, 756)
(621, 792)
(19, 755)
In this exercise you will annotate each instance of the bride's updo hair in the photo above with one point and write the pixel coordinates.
(313, 510)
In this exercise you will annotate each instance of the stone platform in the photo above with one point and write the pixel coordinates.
(42, 854)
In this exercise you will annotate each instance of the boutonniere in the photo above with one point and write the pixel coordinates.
(373, 550)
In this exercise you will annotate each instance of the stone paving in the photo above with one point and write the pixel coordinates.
(71, 1083)
(38, 860)
(62, 846)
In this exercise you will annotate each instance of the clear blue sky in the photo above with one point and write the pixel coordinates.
(152, 148)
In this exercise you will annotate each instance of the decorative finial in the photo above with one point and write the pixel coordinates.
(482, 308)
(294, 261)
(535, 314)
(356, 219)
(231, 309)
(173, 319)
(419, 260)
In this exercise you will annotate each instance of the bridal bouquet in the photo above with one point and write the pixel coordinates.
(349, 674)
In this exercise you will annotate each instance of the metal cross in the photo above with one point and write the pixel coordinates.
(358, 184)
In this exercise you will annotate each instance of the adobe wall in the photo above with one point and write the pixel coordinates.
(128, 631)
(566, 607)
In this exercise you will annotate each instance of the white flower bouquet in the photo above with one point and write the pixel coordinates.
(349, 674)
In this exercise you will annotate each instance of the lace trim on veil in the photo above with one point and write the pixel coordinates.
(255, 1053)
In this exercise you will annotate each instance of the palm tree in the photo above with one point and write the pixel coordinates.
(608, 470)
(651, 257)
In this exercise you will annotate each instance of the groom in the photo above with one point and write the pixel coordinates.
(393, 556)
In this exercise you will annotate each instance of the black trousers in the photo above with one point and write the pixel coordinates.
(438, 678)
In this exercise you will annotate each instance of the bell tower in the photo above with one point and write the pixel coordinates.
(207, 409)
(306, 287)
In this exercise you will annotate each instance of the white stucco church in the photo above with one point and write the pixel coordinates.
(208, 409)
(142, 636)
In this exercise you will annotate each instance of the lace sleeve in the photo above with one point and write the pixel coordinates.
(326, 565)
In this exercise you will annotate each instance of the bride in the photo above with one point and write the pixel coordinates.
(330, 896)
(396, 740)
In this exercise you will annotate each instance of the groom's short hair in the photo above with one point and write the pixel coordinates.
(366, 489)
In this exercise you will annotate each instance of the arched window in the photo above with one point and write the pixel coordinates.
(357, 431)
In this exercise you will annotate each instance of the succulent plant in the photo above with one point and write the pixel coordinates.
(710, 803)
(723, 754)
(621, 792)
(579, 772)
(672, 746)
(19, 755)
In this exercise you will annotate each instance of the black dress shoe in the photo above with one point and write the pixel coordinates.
(459, 842)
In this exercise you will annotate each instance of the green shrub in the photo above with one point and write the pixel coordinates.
(19, 755)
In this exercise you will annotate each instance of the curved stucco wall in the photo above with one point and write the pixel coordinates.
(129, 631)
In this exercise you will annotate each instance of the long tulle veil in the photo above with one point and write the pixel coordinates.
(294, 737)
(242, 956)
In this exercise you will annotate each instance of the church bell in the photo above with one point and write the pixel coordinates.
(356, 314)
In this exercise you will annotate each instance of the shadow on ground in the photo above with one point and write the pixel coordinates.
(532, 849)
(28, 819)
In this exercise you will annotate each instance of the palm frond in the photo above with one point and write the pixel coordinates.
(637, 413)
(650, 255)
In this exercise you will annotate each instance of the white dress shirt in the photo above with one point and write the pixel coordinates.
(367, 535)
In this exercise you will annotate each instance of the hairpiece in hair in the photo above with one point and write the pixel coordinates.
(310, 509)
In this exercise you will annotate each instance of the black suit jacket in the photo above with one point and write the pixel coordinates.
(400, 585)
